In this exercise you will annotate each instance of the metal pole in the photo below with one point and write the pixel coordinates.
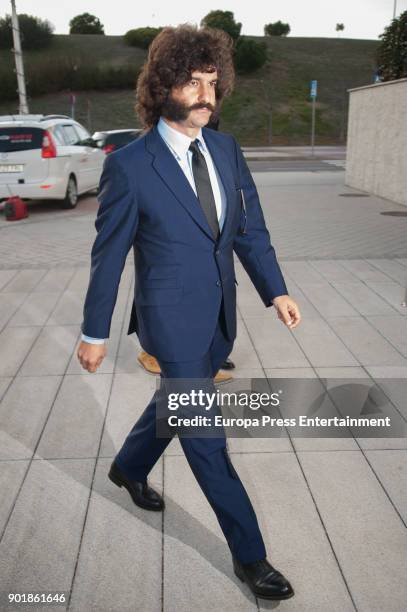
(394, 9)
(18, 56)
(313, 127)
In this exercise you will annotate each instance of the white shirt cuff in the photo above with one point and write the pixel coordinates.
(92, 340)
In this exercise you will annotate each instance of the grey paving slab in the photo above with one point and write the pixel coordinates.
(384, 444)
(35, 309)
(51, 351)
(11, 477)
(23, 412)
(15, 343)
(302, 272)
(75, 424)
(363, 270)
(394, 329)
(244, 349)
(327, 300)
(9, 303)
(324, 444)
(322, 346)
(391, 268)
(6, 276)
(119, 565)
(346, 372)
(387, 371)
(129, 397)
(367, 535)
(48, 516)
(294, 536)
(25, 280)
(68, 311)
(390, 467)
(5, 382)
(54, 281)
(275, 344)
(79, 280)
(363, 299)
(393, 293)
(395, 389)
(194, 547)
(333, 271)
(242, 372)
(368, 346)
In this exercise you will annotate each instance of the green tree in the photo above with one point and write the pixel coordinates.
(35, 33)
(278, 28)
(249, 55)
(85, 24)
(392, 50)
(141, 37)
(222, 20)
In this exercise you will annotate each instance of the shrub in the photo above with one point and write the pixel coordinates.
(35, 33)
(223, 20)
(85, 24)
(141, 37)
(392, 50)
(276, 29)
(249, 55)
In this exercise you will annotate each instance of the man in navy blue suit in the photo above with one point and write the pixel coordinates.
(183, 197)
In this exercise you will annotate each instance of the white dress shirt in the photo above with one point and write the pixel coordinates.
(178, 144)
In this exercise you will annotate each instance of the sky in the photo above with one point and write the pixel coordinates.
(364, 19)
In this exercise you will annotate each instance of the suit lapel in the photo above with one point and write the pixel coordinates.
(171, 173)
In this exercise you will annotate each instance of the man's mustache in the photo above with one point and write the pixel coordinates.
(197, 106)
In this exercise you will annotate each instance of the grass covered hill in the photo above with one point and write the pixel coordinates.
(102, 71)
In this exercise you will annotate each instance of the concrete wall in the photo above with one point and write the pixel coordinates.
(376, 159)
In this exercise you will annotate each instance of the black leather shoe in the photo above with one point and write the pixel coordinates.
(141, 493)
(227, 365)
(263, 579)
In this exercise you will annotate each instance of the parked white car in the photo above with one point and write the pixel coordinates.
(47, 157)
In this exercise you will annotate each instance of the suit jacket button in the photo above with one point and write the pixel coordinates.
(217, 252)
(218, 283)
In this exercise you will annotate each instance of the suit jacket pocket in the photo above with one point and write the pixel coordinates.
(161, 277)
(157, 296)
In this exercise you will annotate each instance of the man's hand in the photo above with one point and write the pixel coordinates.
(91, 355)
(287, 310)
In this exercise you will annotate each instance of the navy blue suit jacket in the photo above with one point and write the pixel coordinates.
(147, 203)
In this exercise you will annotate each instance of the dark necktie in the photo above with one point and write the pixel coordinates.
(204, 188)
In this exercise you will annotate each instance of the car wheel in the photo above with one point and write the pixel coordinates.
(71, 196)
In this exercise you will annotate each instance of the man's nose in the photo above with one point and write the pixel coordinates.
(205, 93)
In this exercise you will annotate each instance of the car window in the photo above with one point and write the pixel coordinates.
(71, 137)
(82, 133)
(20, 139)
(121, 138)
(58, 134)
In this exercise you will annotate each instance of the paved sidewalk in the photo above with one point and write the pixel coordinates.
(333, 511)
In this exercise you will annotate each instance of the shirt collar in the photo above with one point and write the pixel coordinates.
(177, 141)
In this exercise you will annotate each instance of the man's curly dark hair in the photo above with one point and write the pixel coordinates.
(173, 55)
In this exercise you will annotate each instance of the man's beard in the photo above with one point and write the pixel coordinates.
(174, 110)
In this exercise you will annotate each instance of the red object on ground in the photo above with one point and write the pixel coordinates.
(15, 209)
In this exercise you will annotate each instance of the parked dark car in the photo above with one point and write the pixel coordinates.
(111, 140)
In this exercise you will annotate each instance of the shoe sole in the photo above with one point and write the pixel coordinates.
(120, 483)
(272, 597)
